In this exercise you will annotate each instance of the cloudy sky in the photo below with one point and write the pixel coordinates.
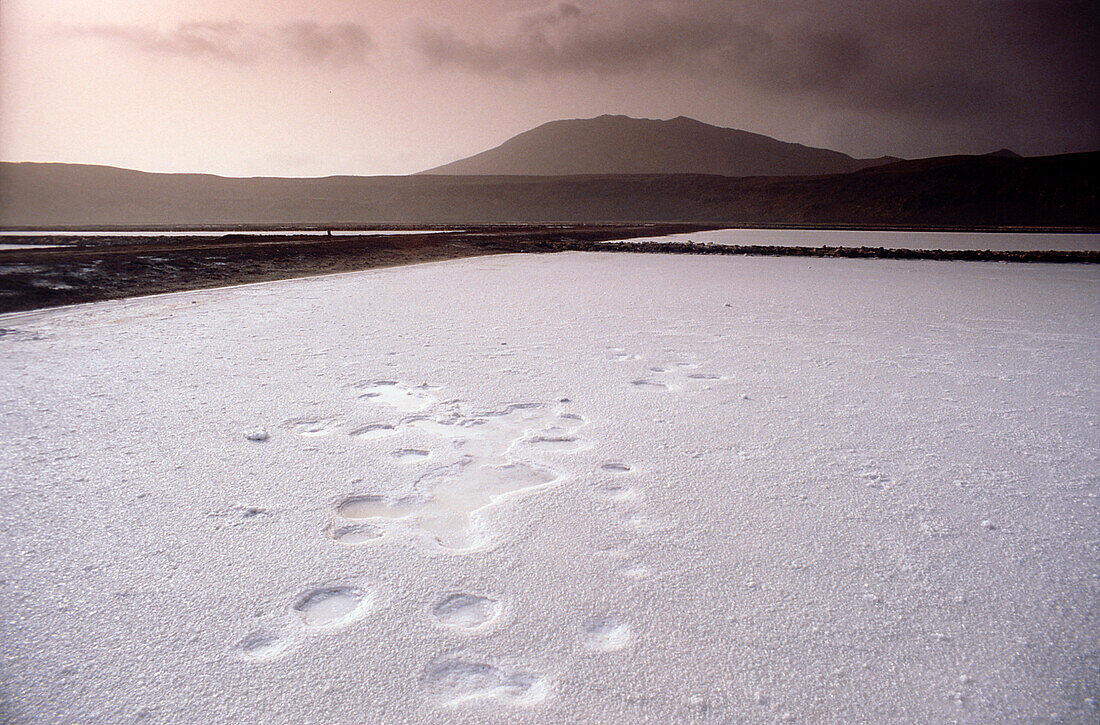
(315, 87)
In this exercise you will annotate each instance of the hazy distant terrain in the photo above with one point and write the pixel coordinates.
(623, 145)
(989, 191)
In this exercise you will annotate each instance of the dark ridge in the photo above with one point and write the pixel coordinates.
(623, 145)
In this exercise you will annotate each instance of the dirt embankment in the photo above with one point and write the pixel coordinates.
(88, 269)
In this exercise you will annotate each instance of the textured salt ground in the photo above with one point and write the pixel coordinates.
(850, 490)
(999, 241)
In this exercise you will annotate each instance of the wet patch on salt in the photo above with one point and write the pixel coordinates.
(373, 506)
(449, 500)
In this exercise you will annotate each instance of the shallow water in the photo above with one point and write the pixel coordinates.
(993, 241)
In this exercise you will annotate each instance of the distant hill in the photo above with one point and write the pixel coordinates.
(985, 191)
(623, 145)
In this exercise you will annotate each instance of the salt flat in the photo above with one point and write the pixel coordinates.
(555, 489)
(993, 241)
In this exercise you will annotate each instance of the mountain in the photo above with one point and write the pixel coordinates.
(623, 145)
(981, 191)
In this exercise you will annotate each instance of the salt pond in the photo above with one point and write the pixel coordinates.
(559, 488)
(995, 241)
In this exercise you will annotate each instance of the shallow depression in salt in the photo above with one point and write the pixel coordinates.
(559, 488)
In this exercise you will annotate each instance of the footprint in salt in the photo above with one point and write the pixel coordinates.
(373, 506)
(619, 354)
(675, 377)
(264, 646)
(874, 478)
(466, 611)
(322, 608)
(311, 427)
(355, 534)
(332, 607)
(636, 571)
(240, 515)
(406, 398)
(644, 524)
(460, 680)
(554, 443)
(615, 491)
(557, 434)
(449, 501)
(373, 430)
(484, 434)
(490, 436)
(606, 635)
(411, 455)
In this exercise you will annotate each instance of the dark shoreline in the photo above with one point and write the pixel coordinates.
(766, 250)
(103, 268)
(27, 233)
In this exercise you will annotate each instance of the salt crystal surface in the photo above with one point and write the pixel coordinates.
(686, 490)
(889, 239)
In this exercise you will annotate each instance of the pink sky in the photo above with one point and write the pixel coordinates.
(257, 87)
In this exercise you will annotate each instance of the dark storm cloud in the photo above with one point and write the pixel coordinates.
(243, 43)
(934, 58)
(568, 38)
